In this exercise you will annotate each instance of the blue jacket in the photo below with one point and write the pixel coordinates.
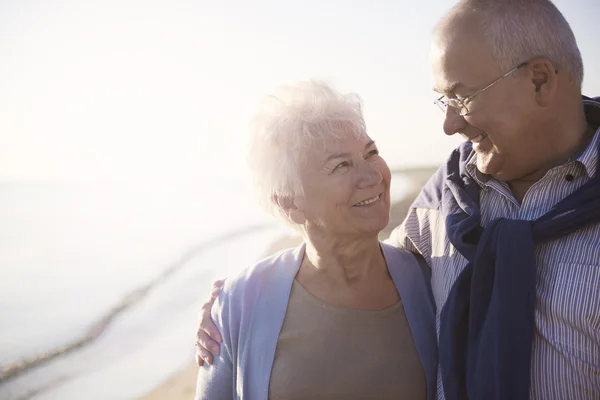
(252, 305)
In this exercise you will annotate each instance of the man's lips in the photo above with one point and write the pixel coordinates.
(478, 138)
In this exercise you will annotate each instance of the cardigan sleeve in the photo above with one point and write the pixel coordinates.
(217, 381)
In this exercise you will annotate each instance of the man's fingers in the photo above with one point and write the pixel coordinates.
(206, 324)
(216, 289)
(207, 334)
(203, 356)
(198, 359)
(214, 294)
(206, 308)
(206, 327)
(206, 343)
(208, 358)
(219, 283)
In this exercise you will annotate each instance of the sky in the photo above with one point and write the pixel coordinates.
(161, 89)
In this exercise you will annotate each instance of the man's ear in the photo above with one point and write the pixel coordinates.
(544, 77)
(289, 207)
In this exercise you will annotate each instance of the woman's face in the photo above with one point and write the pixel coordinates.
(346, 187)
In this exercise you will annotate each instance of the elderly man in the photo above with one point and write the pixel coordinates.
(510, 224)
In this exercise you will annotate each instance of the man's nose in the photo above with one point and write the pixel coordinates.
(453, 123)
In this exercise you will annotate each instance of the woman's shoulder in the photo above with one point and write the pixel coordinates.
(276, 266)
(402, 262)
(392, 253)
(411, 275)
(241, 294)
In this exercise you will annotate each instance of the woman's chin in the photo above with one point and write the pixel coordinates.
(375, 226)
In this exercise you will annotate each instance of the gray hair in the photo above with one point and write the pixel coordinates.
(287, 124)
(519, 30)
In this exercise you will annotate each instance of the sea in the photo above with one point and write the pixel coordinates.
(126, 265)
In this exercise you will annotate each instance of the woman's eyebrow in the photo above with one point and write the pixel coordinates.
(344, 155)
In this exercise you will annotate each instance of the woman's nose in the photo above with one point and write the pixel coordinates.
(370, 175)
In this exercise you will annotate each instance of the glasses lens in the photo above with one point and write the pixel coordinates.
(441, 104)
(458, 107)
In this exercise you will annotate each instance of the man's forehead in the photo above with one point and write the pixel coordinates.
(460, 56)
(460, 62)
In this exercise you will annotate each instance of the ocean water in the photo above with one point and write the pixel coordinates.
(71, 253)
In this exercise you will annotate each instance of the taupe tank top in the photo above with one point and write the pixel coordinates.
(324, 352)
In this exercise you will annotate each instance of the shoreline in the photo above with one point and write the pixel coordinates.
(14, 369)
(182, 384)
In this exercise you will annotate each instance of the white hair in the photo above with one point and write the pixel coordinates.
(287, 124)
(520, 30)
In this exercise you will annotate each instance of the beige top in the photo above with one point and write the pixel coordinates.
(322, 353)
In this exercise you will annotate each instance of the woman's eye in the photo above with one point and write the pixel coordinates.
(341, 165)
(373, 153)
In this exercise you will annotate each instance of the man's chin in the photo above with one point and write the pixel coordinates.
(488, 166)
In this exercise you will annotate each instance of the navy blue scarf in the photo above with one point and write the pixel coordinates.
(487, 323)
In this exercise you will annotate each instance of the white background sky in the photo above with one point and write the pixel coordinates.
(160, 89)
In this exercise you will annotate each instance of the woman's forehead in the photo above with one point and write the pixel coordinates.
(336, 143)
(327, 149)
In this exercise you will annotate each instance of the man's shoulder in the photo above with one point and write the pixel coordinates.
(430, 196)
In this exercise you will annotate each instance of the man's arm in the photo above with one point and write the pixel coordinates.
(208, 336)
(216, 381)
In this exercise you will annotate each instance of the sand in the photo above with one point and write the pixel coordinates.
(182, 385)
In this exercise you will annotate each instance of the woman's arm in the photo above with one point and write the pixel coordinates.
(216, 381)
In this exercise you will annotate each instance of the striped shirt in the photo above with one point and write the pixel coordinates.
(565, 360)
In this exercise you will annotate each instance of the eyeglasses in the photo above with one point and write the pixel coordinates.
(459, 105)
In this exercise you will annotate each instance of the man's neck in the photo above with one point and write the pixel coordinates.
(571, 147)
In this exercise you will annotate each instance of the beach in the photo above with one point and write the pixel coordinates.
(182, 384)
(120, 273)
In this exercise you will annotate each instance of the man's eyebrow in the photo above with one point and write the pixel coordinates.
(449, 88)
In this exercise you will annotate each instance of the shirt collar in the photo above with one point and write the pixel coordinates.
(588, 158)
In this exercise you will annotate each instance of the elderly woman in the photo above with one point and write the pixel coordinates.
(294, 324)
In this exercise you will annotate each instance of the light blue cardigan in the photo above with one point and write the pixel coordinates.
(250, 311)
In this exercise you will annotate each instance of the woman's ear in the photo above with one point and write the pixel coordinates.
(289, 207)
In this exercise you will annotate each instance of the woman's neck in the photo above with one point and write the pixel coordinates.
(345, 259)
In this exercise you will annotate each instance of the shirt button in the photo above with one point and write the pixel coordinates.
(569, 177)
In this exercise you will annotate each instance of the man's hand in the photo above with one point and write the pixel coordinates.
(207, 335)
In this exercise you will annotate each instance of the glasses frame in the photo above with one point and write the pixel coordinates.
(460, 104)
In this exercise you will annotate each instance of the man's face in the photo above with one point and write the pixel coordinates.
(501, 121)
